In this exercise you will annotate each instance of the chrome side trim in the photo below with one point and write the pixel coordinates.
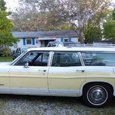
(41, 92)
(23, 91)
(67, 93)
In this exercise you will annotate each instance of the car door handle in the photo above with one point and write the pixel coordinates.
(42, 70)
(80, 71)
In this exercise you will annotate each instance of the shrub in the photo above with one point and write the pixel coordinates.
(5, 52)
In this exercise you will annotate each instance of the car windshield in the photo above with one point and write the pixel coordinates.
(15, 60)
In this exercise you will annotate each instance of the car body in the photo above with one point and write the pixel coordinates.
(55, 71)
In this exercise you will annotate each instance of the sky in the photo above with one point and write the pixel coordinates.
(12, 4)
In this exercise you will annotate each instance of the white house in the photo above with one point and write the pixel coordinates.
(41, 38)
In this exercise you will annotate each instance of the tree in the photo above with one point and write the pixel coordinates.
(6, 25)
(109, 27)
(30, 22)
(92, 33)
(93, 29)
(59, 12)
(49, 18)
(2, 5)
(109, 30)
(86, 11)
(112, 15)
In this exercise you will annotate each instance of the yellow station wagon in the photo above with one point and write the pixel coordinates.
(59, 71)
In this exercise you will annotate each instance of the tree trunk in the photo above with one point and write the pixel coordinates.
(81, 36)
(81, 31)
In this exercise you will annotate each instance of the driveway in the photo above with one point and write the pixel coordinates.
(35, 105)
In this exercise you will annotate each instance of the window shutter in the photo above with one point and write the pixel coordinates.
(62, 39)
(24, 41)
(33, 41)
(69, 39)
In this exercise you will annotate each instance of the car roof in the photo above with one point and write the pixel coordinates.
(73, 49)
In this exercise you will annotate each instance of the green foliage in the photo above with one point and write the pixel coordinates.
(65, 26)
(2, 5)
(113, 14)
(92, 33)
(109, 27)
(5, 23)
(6, 52)
(109, 30)
(6, 26)
(6, 59)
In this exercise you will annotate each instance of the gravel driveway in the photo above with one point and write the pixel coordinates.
(35, 105)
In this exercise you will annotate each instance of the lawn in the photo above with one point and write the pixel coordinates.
(6, 59)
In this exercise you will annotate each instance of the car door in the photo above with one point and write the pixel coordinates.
(4, 77)
(66, 74)
(99, 65)
(29, 74)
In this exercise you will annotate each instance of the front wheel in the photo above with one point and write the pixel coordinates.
(97, 95)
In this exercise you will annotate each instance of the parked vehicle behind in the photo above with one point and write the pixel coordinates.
(17, 52)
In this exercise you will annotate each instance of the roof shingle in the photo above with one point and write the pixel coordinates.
(40, 34)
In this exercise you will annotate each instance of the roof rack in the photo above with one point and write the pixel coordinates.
(96, 45)
(91, 45)
(77, 44)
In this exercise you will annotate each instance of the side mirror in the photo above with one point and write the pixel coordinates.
(26, 65)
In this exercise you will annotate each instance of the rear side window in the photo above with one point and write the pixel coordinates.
(98, 59)
(65, 59)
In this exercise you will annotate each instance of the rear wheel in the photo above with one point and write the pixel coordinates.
(97, 95)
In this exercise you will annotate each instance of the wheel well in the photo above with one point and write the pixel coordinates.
(99, 83)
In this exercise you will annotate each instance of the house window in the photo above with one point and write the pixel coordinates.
(66, 40)
(29, 41)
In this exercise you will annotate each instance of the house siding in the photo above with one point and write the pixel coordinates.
(39, 39)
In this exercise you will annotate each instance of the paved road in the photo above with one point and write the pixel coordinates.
(35, 105)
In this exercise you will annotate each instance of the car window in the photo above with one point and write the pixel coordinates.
(66, 59)
(34, 59)
(98, 59)
(41, 60)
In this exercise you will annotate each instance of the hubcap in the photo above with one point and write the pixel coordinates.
(97, 95)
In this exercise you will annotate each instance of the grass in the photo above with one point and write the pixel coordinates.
(6, 59)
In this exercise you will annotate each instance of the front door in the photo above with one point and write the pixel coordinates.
(4, 78)
(29, 74)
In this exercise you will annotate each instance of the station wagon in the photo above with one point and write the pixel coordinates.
(87, 72)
